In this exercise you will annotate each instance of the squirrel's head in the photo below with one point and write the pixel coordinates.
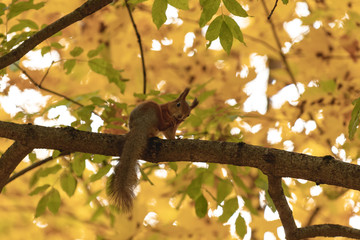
(179, 108)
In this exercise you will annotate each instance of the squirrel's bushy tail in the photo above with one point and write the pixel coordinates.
(125, 180)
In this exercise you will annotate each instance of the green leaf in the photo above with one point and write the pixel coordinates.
(180, 4)
(105, 68)
(226, 37)
(193, 189)
(39, 189)
(240, 183)
(223, 190)
(68, 183)
(41, 207)
(85, 112)
(93, 196)
(34, 178)
(145, 176)
(213, 31)
(97, 213)
(97, 158)
(229, 208)
(269, 201)
(55, 154)
(235, 8)
(234, 28)
(76, 51)
(354, 121)
(50, 170)
(24, 23)
(69, 65)
(32, 157)
(285, 1)
(2, 71)
(45, 50)
(3, 7)
(173, 166)
(328, 86)
(102, 172)
(205, 95)
(56, 45)
(95, 52)
(18, 8)
(134, 2)
(210, 7)
(250, 207)
(240, 226)
(201, 206)
(261, 181)
(78, 165)
(158, 12)
(54, 200)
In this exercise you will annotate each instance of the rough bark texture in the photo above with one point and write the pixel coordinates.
(280, 163)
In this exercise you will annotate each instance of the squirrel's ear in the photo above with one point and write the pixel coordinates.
(183, 94)
(194, 103)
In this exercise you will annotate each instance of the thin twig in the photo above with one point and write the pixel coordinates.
(49, 90)
(140, 45)
(266, 44)
(32, 166)
(45, 75)
(272, 10)
(278, 43)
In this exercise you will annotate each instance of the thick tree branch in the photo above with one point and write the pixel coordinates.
(11, 158)
(88, 8)
(280, 163)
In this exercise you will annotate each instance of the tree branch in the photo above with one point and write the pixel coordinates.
(273, 162)
(277, 194)
(32, 166)
(278, 43)
(88, 8)
(140, 45)
(327, 230)
(272, 10)
(11, 158)
(49, 90)
(280, 163)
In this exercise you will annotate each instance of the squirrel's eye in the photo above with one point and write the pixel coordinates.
(178, 104)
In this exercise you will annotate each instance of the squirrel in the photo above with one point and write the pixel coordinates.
(146, 121)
